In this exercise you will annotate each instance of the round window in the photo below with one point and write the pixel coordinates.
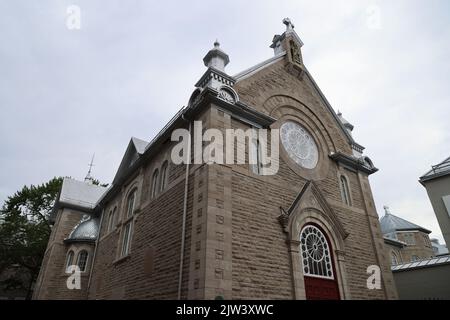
(299, 144)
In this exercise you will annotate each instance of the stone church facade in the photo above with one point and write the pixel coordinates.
(209, 231)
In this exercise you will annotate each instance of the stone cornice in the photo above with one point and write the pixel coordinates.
(363, 163)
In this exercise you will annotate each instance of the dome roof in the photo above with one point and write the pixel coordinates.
(85, 230)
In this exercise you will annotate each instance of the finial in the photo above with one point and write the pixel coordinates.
(339, 113)
(216, 58)
(88, 177)
(288, 23)
(387, 210)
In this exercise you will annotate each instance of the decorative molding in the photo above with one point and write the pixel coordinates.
(362, 163)
(310, 198)
(228, 94)
(214, 76)
(283, 219)
(295, 52)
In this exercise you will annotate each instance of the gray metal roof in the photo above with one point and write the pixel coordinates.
(438, 170)
(85, 230)
(426, 263)
(391, 223)
(80, 194)
(139, 144)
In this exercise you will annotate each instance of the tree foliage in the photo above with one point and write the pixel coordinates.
(24, 233)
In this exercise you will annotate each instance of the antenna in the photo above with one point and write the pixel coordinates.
(88, 175)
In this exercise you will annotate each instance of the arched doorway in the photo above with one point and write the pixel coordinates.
(318, 265)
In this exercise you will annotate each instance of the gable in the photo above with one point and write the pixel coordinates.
(135, 149)
(261, 88)
(310, 199)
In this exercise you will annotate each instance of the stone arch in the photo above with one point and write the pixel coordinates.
(281, 105)
(310, 207)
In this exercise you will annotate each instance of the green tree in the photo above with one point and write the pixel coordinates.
(24, 232)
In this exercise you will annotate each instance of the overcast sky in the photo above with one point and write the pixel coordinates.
(65, 94)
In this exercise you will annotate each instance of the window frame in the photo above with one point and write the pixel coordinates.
(130, 212)
(154, 184)
(69, 259)
(394, 257)
(82, 251)
(125, 246)
(411, 237)
(114, 219)
(163, 177)
(321, 266)
(345, 190)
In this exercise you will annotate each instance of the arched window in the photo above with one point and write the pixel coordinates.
(163, 182)
(316, 255)
(345, 191)
(394, 260)
(256, 153)
(154, 189)
(82, 260)
(112, 219)
(131, 203)
(69, 260)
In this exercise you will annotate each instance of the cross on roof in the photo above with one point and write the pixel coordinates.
(88, 176)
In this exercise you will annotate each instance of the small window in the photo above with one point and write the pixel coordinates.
(415, 258)
(345, 191)
(426, 241)
(154, 190)
(131, 203)
(256, 153)
(126, 239)
(69, 260)
(112, 219)
(82, 260)
(409, 239)
(394, 260)
(163, 183)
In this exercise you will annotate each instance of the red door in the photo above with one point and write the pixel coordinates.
(321, 289)
(318, 266)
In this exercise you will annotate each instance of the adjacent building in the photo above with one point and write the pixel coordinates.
(437, 183)
(421, 267)
(405, 241)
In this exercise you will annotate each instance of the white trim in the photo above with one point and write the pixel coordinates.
(251, 71)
